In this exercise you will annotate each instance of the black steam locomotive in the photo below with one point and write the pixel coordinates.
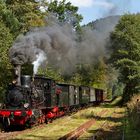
(39, 99)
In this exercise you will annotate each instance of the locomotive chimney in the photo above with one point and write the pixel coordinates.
(17, 73)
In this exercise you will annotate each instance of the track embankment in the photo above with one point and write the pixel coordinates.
(73, 135)
(81, 125)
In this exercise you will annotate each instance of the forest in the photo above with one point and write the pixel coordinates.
(114, 65)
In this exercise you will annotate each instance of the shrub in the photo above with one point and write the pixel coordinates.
(133, 108)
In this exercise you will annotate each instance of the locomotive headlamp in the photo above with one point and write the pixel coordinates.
(26, 105)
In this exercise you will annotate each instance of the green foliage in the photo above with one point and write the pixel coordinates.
(91, 74)
(8, 18)
(27, 69)
(116, 101)
(125, 46)
(99, 74)
(27, 13)
(117, 89)
(51, 73)
(16, 16)
(132, 118)
(76, 79)
(5, 42)
(66, 12)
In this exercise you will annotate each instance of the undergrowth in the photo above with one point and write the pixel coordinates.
(133, 119)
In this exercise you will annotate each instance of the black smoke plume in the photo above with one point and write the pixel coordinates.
(57, 44)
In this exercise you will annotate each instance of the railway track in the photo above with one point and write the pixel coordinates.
(103, 126)
(73, 135)
(16, 131)
(11, 134)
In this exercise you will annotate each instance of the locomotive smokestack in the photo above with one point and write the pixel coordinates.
(17, 73)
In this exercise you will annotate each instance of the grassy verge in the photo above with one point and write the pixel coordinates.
(106, 126)
(128, 124)
(132, 122)
(130, 133)
(116, 101)
(53, 130)
(62, 126)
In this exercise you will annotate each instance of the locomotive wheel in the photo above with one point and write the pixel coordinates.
(28, 125)
(6, 124)
(31, 122)
(48, 121)
(43, 119)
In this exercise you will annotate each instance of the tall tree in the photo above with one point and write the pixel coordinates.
(6, 39)
(65, 12)
(91, 74)
(27, 12)
(125, 45)
(16, 16)
(8, 18)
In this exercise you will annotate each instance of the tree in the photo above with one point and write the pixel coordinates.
(27, 13)
(65, 12)
(91, 74)
(16, 16)
(125, 46)
(8, 18)
(51, 73)
(6, 39)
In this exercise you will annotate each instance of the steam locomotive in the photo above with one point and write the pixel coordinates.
(38, 99)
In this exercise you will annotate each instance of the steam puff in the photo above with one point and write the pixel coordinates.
(40, 58)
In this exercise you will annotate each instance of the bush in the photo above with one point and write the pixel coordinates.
(133, 108)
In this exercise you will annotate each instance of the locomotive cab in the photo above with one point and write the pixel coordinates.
(44, 91)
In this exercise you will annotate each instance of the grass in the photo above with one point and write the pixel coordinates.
(53, 130)
(105, 125)
(61, 126)
(130, 133)
(64, 125)
(127, 127)
(116, 101)
(132, 121)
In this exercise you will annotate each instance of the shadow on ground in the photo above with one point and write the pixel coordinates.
(111, 129)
